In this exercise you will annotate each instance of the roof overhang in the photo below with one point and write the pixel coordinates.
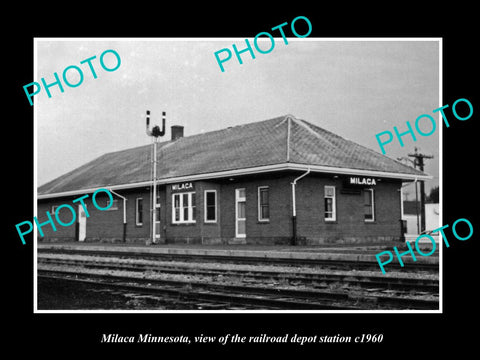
(247, 171)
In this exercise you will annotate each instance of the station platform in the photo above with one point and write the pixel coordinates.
(328, 252)
(412, 238)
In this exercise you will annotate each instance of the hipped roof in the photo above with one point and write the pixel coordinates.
(280, 143)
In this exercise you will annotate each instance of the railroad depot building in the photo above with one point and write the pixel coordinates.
(267, 182)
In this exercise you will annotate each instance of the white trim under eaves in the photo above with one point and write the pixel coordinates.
(247, 171)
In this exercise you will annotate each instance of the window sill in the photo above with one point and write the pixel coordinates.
(183, 224)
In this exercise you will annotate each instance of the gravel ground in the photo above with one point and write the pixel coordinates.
(245, 267)
(372, 248)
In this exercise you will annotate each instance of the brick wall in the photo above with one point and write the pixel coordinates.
(349, 227)
(199, 232)
(100, 225)
(63, 233)
(278, 228)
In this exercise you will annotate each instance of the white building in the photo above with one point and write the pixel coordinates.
(432, 219)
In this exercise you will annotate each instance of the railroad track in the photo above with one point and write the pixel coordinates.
(327, 264)
(260, 297)
(261, 288)
(317, 280)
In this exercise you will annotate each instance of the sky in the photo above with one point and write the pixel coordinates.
(354, 88)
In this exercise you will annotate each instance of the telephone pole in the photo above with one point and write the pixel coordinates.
(418, 161)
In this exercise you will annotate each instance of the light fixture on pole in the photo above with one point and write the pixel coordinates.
(155, 133)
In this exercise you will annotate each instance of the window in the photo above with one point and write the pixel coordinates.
(210, 206)
(176, 208)
(330, 210)
(263, 204)
(114, 204)
(183, 208)
(369, 206)
(139, 211)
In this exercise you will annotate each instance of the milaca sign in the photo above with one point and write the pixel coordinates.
(182, 186)
(360, 181)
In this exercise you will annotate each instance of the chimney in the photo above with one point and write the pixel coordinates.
(177, 132)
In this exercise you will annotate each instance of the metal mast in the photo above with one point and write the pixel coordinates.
(155, 133)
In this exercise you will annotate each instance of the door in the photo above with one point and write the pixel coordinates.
(82, 224)
(240, 215)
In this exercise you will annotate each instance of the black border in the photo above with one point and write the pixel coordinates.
(403, 333)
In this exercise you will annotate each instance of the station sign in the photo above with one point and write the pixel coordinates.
(359, 181)
(185, 186)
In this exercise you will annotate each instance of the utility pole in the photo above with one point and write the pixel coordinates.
(418, 161)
